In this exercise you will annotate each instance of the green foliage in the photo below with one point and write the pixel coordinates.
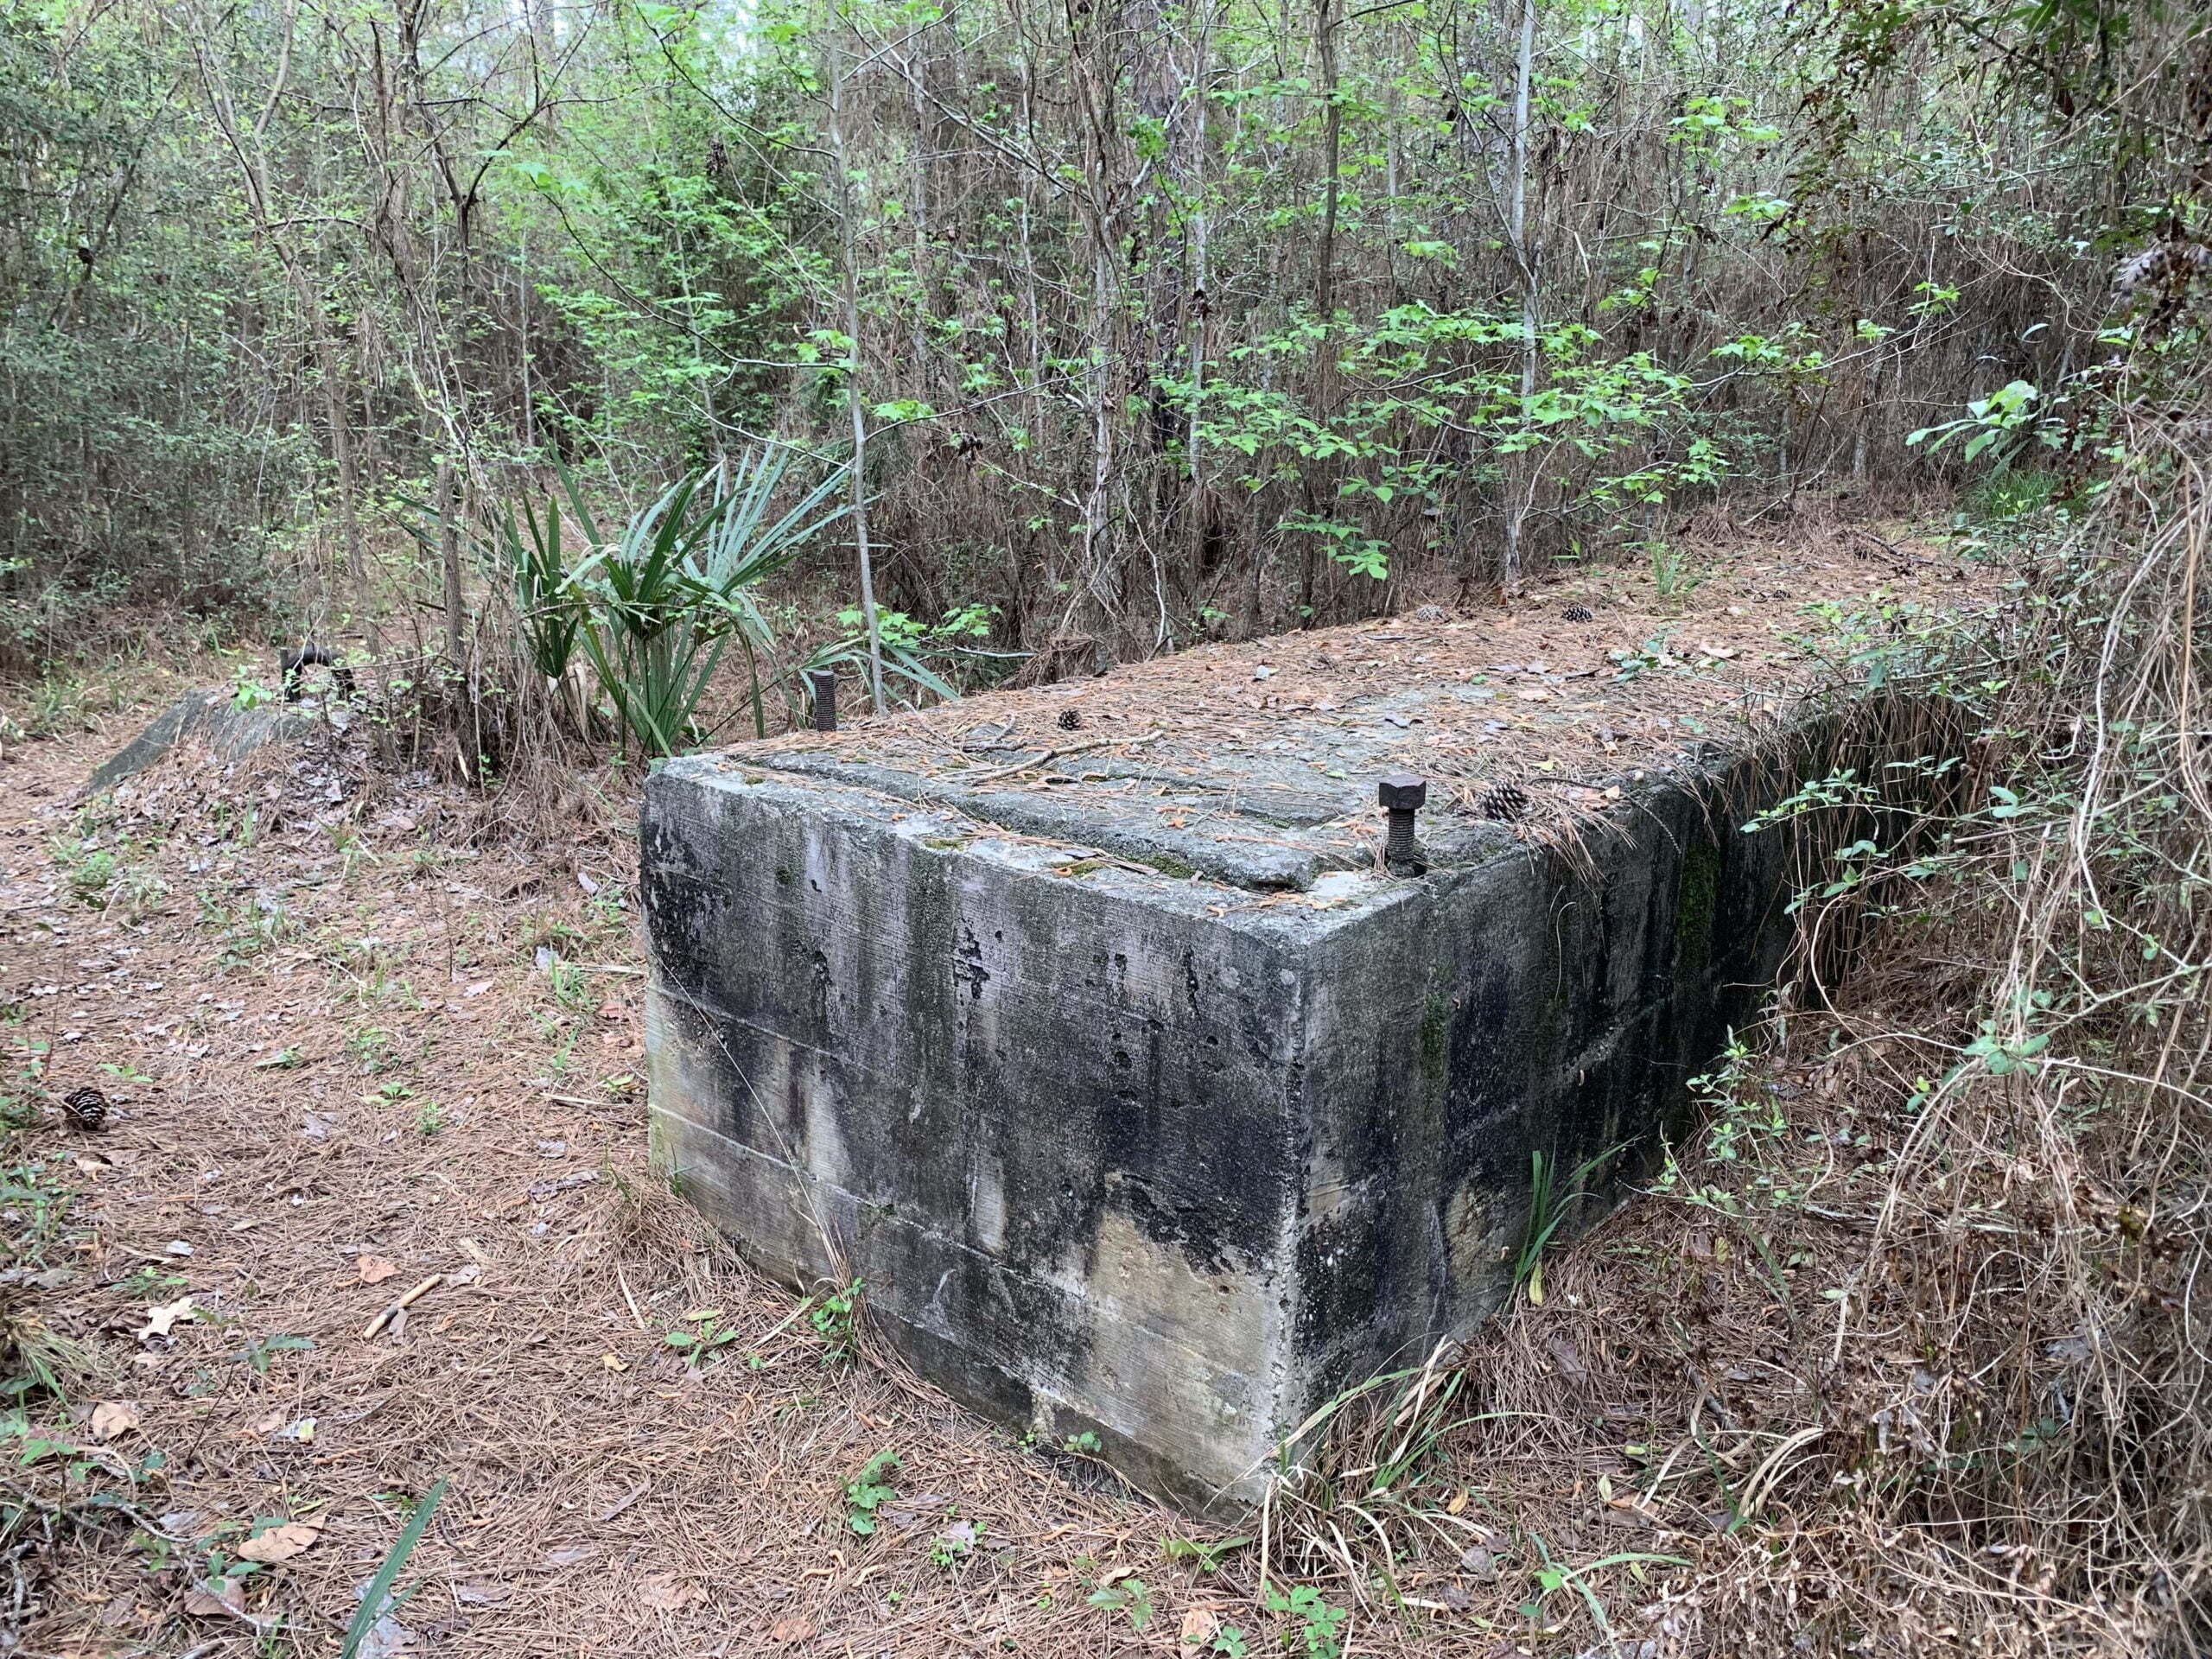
(869, 1490)
(1207, 1557)
(1129, 1596)
(660, 603)
(1547, 1211)
(1673, 576)
(129, 473)
(907, 645)
(2004, 424)
(378, 1600)
(1317, 1631)
(260, 1351)
(705, 1338)
(529, 549)
(834, 1316)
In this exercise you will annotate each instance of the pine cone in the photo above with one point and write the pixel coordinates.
(1505, 802)
(86, 1107)
(1070, 720)
(1580, 613)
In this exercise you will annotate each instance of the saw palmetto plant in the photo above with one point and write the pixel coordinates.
(657, 606)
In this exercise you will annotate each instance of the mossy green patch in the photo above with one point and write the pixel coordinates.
(1696, 898)
(1167, 864)
(1435, 1033)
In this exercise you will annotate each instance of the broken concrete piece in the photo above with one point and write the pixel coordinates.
(211, 717)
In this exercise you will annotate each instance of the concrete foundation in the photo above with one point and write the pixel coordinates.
(1144, 1103)
(1113, 1155)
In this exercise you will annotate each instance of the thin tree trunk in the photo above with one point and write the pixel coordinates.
(1518, 492)
(1320, 474)
(857, 411)
(1201, 306)
(449, 558)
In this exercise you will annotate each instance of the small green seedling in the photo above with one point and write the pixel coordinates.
(870, 1489)
(956, 1543)
(259, 1351)
(705, 1340)
(1125, 1595)
(835, 1320)
(1319, 1631)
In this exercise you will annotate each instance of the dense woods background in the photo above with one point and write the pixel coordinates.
(1149, 321)
(948, 342)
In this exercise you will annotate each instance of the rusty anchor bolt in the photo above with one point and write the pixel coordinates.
(825, 698)
(1402, 794)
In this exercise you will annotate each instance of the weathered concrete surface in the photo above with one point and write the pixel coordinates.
(211, 717)
(1169, 1160)
(1082, 1024)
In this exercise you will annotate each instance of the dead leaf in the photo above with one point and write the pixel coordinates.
(1479, 1564)
(793, 1627)
(614, 1362)
(111, 1418)
(668, 1592)
(387, 1639)
(280, 1543)
(1201, 1625)
(160, 1320)
(228, 1599)
(375, 1269)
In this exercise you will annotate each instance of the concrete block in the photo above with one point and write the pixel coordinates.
(1142, 1099)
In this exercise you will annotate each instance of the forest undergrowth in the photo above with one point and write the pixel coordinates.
(1062, 338)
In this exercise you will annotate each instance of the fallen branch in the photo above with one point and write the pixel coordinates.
(402, 1304)
(1048, 756)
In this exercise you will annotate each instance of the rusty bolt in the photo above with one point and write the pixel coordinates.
(1402, 794)
(825, 698)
